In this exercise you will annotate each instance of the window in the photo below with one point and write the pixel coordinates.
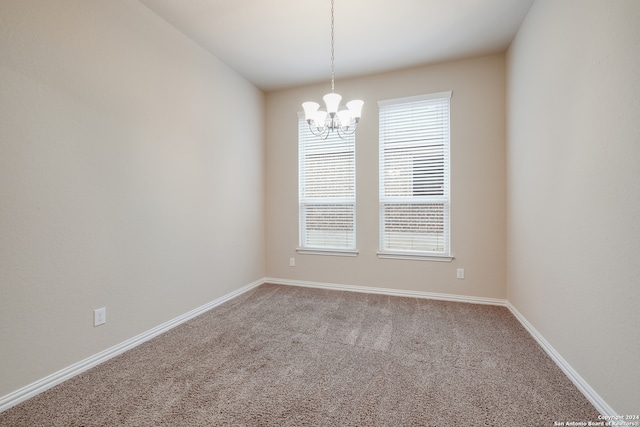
(327, 193)
(414, 177)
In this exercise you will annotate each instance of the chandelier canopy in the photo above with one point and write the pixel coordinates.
(343, 120)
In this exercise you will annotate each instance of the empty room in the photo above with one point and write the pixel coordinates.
(319, 212)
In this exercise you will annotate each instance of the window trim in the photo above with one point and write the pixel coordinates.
(447, 256)
(414, 256)
(314, 250)
(332, 252)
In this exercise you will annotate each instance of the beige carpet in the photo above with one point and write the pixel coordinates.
(292, 356)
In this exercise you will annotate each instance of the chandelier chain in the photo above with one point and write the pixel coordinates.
(343, 121)
(332, 50)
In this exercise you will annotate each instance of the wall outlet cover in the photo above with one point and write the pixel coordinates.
(99, 316)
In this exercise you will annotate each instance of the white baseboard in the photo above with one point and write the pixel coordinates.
(591, 395)
(56, 378)
(388, 291)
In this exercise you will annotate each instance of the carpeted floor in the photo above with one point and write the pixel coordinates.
(293, 356)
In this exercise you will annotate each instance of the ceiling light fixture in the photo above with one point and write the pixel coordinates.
(342, 120)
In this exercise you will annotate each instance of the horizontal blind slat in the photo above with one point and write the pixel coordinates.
(414, 175)
(326, 170)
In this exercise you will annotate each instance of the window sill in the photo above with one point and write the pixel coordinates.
(415, 257)
(329, 252)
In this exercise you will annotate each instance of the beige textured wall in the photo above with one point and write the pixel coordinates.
(477, 182)
(574, 187)
(131, 168)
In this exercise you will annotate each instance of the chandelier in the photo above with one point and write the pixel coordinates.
(343, 121)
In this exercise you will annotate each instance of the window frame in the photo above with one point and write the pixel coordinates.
(304, 202)
(385, 200)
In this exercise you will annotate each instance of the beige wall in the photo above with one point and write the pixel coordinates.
(118, 137)
(477, 182)
(131, 167)
(574, 187)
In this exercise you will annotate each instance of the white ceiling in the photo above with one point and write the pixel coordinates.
(278, 44)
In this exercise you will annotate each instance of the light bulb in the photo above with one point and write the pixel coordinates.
(332, 100)
(344, 117)
(355, 107)
(310, 109)
(320, 118)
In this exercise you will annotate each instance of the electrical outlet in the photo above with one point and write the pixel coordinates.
(460, 273)
(99, 316)
(292, 262)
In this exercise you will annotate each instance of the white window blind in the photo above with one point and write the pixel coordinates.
(414, 175)
(327, 190)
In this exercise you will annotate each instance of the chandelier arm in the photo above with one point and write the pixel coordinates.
(350, 130)
(314, 130)
(323, 134)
